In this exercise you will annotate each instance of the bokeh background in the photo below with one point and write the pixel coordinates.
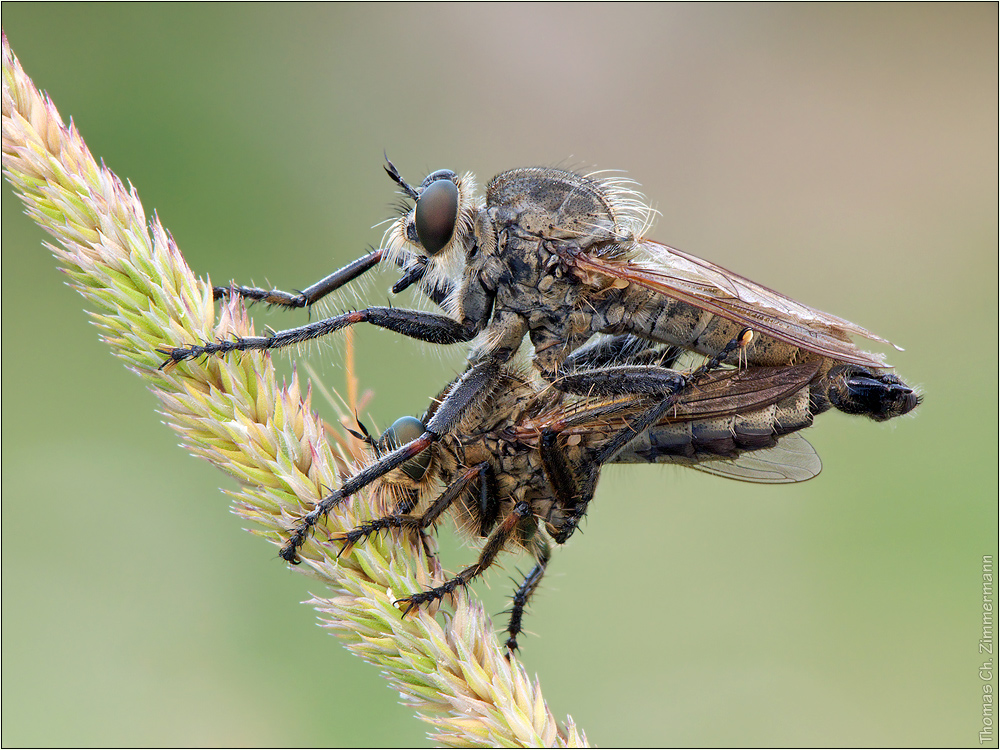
(845, 155)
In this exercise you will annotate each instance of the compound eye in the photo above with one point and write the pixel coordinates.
(402, 431)
(436, 215)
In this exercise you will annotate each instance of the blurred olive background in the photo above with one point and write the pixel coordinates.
(845, 155)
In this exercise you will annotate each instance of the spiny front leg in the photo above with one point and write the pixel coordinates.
(290, 550)
(310, 294)
(430, 327)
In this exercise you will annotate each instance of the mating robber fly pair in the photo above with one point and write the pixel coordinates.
(559, 258)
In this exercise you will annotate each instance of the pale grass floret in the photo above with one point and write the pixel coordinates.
(232, 412)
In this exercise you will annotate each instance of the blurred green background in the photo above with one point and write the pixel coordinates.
(845, 155)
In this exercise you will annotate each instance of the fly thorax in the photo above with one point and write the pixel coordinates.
(555, 204)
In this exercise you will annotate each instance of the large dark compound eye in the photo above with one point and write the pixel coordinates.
(402, 431)
(436, 214)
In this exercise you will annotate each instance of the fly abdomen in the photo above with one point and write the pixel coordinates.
(723, 437)
(681, 324)
(858, 390)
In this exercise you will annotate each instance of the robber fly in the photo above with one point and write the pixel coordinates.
(560, 257)
(520, 468)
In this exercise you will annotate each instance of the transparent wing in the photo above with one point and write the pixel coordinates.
(793, 459)
(712, 288)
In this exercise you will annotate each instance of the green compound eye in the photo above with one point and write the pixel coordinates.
(436, 214)
(402, 431)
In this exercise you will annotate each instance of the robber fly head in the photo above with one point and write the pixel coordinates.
(437, 229)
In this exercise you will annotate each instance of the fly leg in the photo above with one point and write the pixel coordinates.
(310, 294)
(573, 490)
(518, 524)
(588, 376)
(573, 486)
(478, 379)
(541, 552)
(657, 412)
(413, 273)
(621, 349)
(403, 508)
(402, 519)
(429, 327)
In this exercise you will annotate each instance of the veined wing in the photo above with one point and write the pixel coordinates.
(718, 394)
(712, 288)
(750, 456)
(729, 440)
(793, 459)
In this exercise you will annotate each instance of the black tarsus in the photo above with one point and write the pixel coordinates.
(523, 593)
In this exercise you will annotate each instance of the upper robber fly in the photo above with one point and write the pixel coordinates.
(560, 257)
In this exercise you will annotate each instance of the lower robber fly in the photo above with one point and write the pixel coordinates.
(520, 468)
